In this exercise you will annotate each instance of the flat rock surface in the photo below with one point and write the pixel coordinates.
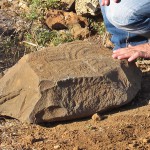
(66, 82)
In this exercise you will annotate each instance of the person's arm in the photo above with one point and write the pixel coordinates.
(107, 2)
(133, 52)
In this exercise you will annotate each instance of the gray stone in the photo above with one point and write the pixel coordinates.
(87, 7)
(69, 81)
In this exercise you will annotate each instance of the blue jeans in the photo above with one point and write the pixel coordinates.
(128, 22)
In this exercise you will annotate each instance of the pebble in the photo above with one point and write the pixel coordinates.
(146, 140)
(76, 148)
(133, 145)
(56, 146)
(96, 117)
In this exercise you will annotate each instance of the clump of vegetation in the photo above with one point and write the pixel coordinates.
(37, 8)
(97, 26)
(55, 4)
(38, 34)
(45, 37)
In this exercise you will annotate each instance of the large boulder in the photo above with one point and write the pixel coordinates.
(69, 81)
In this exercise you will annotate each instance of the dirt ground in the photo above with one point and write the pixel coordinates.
(126, 128)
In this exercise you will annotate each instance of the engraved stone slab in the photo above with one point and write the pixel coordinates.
(73, 80)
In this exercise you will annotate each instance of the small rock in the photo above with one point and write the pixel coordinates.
(96, 117)
(56, 146)
(28, 139)
(23, 5)
(78, 32)
(146, 140)
(129, 126)
(76, 148)
(93, 128)
(133, 145)
(14, 134)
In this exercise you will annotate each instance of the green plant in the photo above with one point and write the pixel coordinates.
(101, 29)
(32, 15)
(44, 3)
(59, 38)
(28, 36)
(52, 4)
(53, 37)
(44, 37)
(97, 26)
(38, 34)
(37, 8)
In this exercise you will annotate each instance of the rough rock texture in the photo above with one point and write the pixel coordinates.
(69, 81)
(87, 7)
(59, 20)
